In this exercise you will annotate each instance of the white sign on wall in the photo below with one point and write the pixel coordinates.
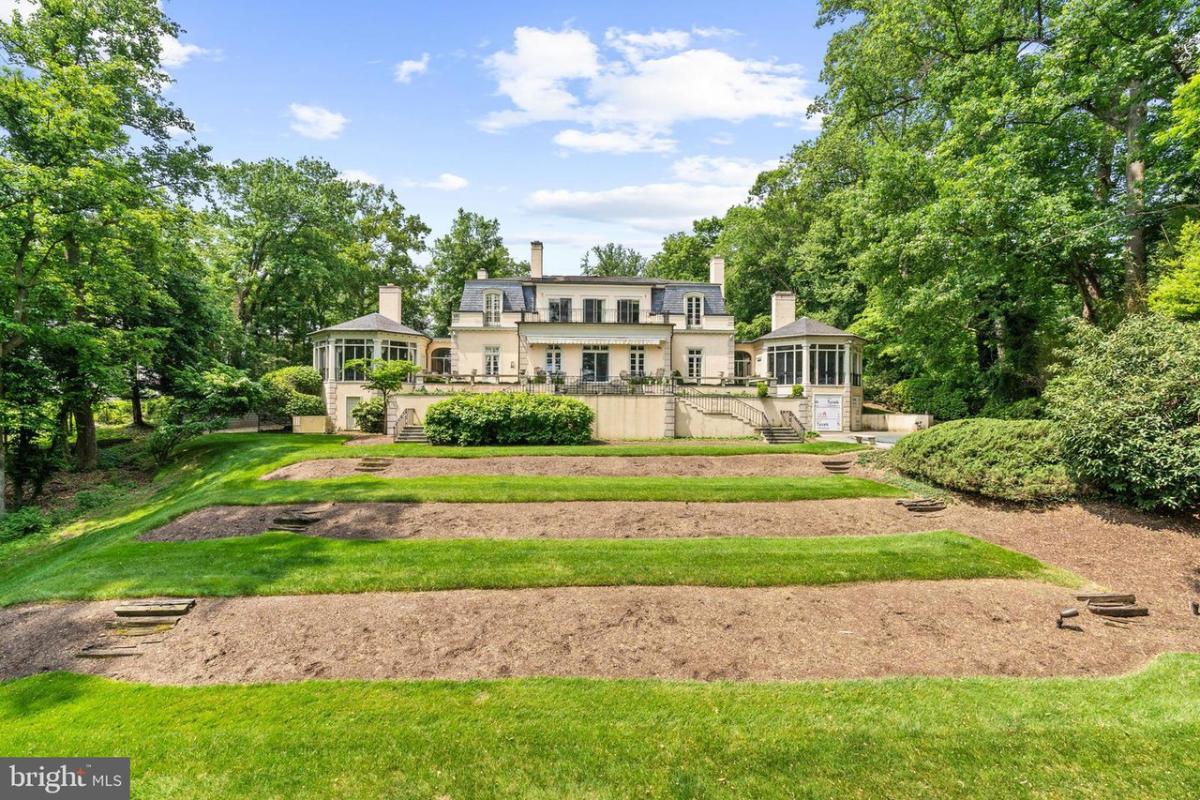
(827, 412)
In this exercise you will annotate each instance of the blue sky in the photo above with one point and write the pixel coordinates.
(573, 123)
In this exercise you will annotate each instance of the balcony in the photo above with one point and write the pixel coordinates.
(617, 316)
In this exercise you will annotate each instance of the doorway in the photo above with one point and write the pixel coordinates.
(595, 364)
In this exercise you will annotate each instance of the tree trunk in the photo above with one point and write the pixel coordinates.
(135, 400)
(1088, 283)
(85, 437)
(3, 471)
(1135, 173)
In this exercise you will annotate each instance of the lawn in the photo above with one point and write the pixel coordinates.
(99, 555)
(283, 563)
(1129, 737)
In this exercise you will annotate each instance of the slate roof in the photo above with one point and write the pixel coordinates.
(514, 294)
(375, 322)
(670, 298)
(805, 327)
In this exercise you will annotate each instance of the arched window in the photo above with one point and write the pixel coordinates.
(695, 310)
(491, 308)
(439, 361)
(741, 364)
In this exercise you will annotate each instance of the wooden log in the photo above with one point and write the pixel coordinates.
(1107, 598)
(140, 610)
(1120, 611)
(136, 622)
(108, 650)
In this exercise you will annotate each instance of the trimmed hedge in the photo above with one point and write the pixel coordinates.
(1005, 459)
(292, 392)
(369, 415)
(926, 396)
(503, 418)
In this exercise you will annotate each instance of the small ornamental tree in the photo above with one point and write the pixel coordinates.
(1128, 412)
(384, 378)
(204, 401)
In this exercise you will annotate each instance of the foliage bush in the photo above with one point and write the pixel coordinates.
(1008, 460)
(23, 522)
(926, 396)
(1029, 408)
(204, 402)
(369, 415)
(763, 390)
(502, 418)
(292, 392)
(1128, 412)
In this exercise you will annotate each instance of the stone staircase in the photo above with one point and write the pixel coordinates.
(780, 435)
(409, 430)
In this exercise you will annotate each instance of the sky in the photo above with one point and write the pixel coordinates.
(576, 124)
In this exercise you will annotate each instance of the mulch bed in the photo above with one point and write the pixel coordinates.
(984, 627)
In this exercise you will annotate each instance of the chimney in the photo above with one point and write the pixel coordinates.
(783, 309)
(535, 259)
(716, 272)
(481, 274)
(389, 301)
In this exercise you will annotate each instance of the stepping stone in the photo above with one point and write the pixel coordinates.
(155, 608)
(108, 650)
(139, 630)
(142, 622)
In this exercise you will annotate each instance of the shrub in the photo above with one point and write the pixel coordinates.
(1128, 412)
(369, 415)
(502, 418)
(763, 390)
(1029, 408)
(797, 390)
(23, 522)
(1009, 460)
(292, 392)
(926, 396)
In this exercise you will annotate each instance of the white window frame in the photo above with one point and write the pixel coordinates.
(491, 360)
(554, 309)
(693, 318)
(637, 360)
(397, 350)
(636, 303)
(743, 364)
(491, 316)
(553, 359)
(695, 363)
(599, 305)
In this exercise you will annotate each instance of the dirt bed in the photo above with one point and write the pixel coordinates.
(987, 627)
(621, 520)
(778, 465)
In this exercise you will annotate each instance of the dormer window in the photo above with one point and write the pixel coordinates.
(695, 310)
(491, 309)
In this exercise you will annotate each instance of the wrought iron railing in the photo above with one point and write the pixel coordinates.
(724, 404)
(558, 383)
(627, 316)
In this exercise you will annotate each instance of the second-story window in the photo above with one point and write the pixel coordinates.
(637, 360)
(491, 360)
(560, 310)
(553, 359)
(628, 311)
(593, 310)
(695, 310)
(695, 363)
(491, 309)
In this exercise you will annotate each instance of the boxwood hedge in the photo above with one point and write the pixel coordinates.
(504, 418)
(1006, 459)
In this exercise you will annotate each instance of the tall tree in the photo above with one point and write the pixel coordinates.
(85, 142)
(473, 244)
(303, 248)
(614, 260)
(685, 256)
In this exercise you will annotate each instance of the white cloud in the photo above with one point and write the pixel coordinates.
(535, 75)
(647, 84)
(315, 122)
(636, 46)
(618, 142)
(359, 175)
(721, 171)
(656, 207)
(10, 7)
(721, 139)
(406, 70)
(446, 182)
(175, 53)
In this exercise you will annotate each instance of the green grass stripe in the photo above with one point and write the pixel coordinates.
(1003, 738)
(538, 488)
(284, 563)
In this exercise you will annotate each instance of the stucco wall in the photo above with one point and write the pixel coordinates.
(900, 423)
(718, 352)
(692, 422)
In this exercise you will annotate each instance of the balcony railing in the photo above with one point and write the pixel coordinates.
(617, 316)
(557, 383)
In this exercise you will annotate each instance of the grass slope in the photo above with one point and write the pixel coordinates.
(1129, 737)
(282, 563)
(226, 468)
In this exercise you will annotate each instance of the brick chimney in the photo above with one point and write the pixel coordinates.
(535, 259)
(783, 309)
(389, 301)
(716, 272)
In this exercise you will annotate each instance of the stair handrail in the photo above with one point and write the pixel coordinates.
(724, 404)
(407, 418)
(792, 421)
